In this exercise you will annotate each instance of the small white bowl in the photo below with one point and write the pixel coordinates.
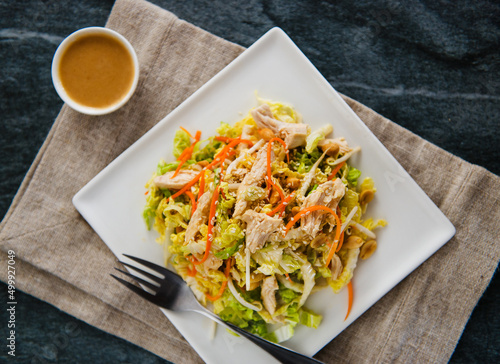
(58, 84)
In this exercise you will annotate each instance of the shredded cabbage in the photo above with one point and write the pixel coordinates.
(308, 275)
(229, 131)
(181, 142)
(254, 193)
(284, 333)
(164, 167)
(301, 161)
(349, 258)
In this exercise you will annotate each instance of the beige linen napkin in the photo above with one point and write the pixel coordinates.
(61, 260)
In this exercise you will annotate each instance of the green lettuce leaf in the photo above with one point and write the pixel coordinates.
(353, 175)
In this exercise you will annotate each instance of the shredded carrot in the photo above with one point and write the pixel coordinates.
(224, 284)
(341, 241)
(181, 163)
(288, 277)
(192, 272)
(223, 139)
(335, 241)
(189, 149)
(269, 174)
(193, 201)
(211, 221)
(351, 296)
(146, 192)
(228, 140)
(187, 132)
(201, 190)
(232, 143)
(187, 186)
(335, 171)
(183, 154)
(186, 154)
(196, 178)
(282, 205)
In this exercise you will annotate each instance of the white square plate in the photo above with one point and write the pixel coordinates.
(112, 202)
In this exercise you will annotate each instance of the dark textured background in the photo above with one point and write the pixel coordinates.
(430, 66)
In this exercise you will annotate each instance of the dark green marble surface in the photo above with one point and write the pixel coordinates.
(430, 66)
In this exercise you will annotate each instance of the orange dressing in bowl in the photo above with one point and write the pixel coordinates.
(96, 70)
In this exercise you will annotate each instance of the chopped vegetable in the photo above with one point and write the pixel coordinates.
(335, 171)
(349, 305)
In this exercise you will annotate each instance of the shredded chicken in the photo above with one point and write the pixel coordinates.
(239, 173)
(245, 134)
(336, 267)
(253, 178)
(243, 155)
(183, 178)
(259, 227)
(292, 234)
(196, 246)
(212, 263)
(199, 217)
(293, 134)
(341, 142)
(269, 288)
(327, 194)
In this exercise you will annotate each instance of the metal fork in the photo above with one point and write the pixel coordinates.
(172, 293)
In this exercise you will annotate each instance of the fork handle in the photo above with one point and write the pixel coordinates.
(283, 354)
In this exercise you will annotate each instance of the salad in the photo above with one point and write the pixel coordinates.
(261, 215)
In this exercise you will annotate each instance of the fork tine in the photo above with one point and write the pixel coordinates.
(150, 265)
(149, 275)
(137, 290)
(140, 280)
